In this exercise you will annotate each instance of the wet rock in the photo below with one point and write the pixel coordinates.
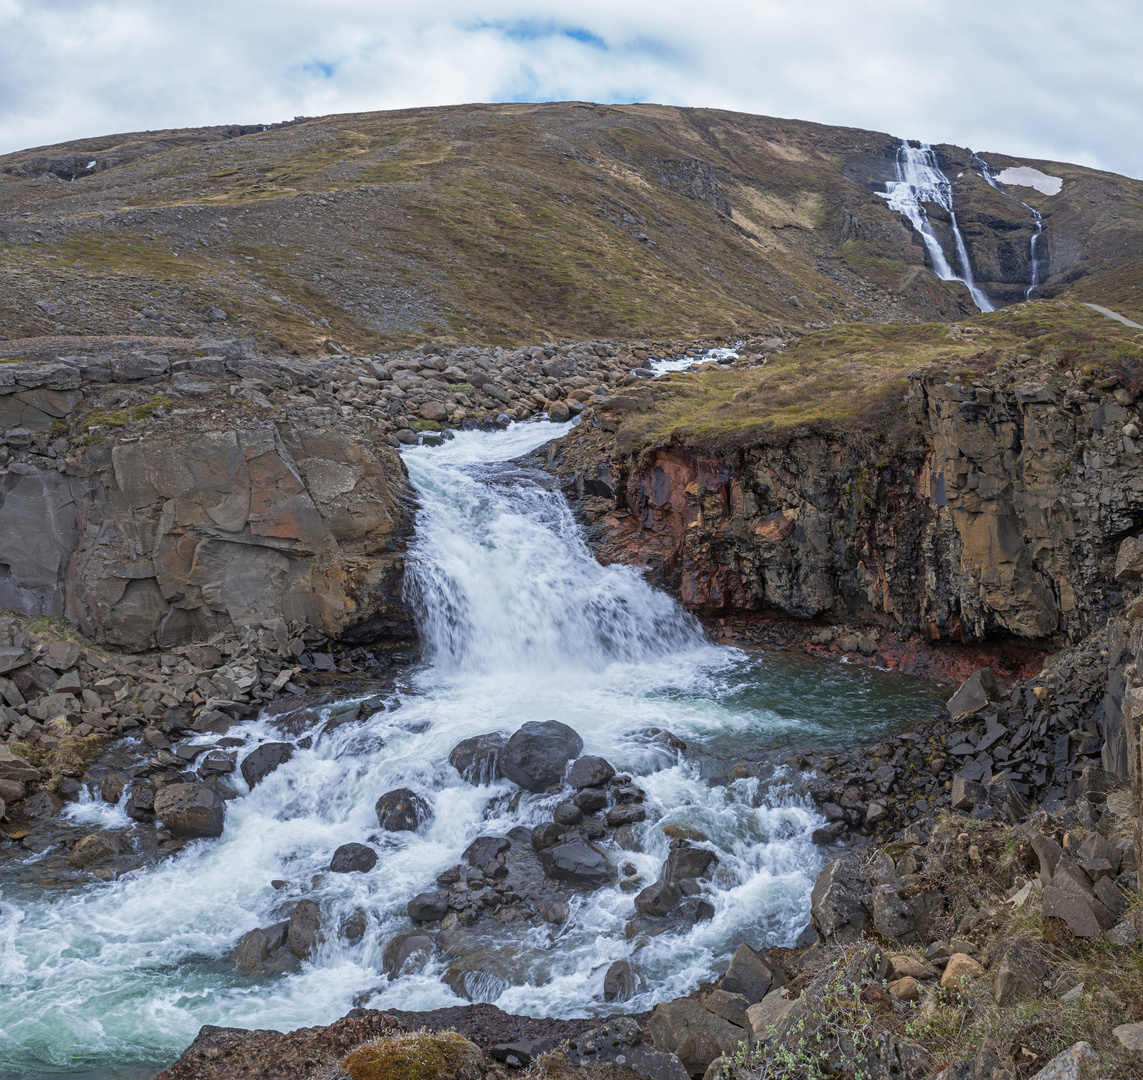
(111, 789)
(626, 814)
(401, 810)
(836, 910)
(589, 800)
(262, 761)
(350, 858)
(484, 849)
(96, 848)
(694, 1035)
(578, 863)
(589, 771)
(190, 810)
(140, 802)
(692, 909)
(658, 899)
(536, 755)
(428, 906)
(567, 814)
(304, 929)
(405, 951)
(42, 805)
(619, 983)
(748, 975)
(265, 951)
(974, 694)
(547, 834)
(476, 758)
(688, 861)
(353, 926)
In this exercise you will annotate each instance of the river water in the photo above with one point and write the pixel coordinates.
(519, 623)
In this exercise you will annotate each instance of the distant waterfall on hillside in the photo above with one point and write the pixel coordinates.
(991, 181)
(919, 181)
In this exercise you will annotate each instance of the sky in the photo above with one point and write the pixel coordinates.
(1054, 79)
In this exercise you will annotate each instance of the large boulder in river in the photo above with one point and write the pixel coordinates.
(401, 810)
(265, 951)
(590, 771)
(578, 863)
(475, 758)
(405, 949)
(304, 930)
(263, 760)
(190, 810)
(536, 756)
(350, 858)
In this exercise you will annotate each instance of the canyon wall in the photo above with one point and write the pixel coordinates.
(998, 515)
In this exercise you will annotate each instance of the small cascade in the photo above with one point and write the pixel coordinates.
(920, 181)
(991, 181)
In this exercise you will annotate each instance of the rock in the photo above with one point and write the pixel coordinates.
(974, 694)
(441, 1055)
(547, 834)
(695, 1036)
(14, 767)
(748, 975)
(731, 1007)
(265, 951)
(905, 989)
(567, 814)
(589, 800)
(967, 794)
(401, 810)
(350, 858)
(95, 847)
(112, 787)
(1075, 909)
(900, 913)
(693, 909)
(140, 802)
(588, 771)
(304, 929)
(484, 849)
(619, 983)
(959, 970)
(354, 925)
(476, 758)
(536, 755)
(626, 814)
(428, 906)
(1130, 1035)
(558, 412)
(12, 791)
(1069, 1064)
(414, 946)
(578, 863)
(263, 760)
(1129, 559)
(42, 805)
(190, 810)
(836, 910)
(687, 861)
(657, 899)
(1021, 971)
(766, 1018)
(434, 411)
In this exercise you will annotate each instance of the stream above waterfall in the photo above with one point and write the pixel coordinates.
(518, 623)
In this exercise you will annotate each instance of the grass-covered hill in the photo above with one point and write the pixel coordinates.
(518, 222)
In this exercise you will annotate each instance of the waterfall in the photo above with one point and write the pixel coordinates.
(920, 181)
(991, 181)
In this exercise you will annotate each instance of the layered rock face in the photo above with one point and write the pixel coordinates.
(212, 517)
(997, 518)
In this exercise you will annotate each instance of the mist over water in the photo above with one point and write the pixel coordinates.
(519, 623)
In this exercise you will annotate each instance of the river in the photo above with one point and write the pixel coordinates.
(518, 623)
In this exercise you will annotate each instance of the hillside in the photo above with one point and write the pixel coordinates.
(506, 223)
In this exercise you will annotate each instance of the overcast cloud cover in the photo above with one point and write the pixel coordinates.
(1057, 79)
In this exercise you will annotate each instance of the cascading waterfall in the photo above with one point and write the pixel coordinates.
(920, 181)
(521, 623)
(990, 179)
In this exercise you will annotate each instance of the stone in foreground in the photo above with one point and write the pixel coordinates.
(536, 756)
(190, 810)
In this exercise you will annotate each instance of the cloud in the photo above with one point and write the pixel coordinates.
(1045, 79)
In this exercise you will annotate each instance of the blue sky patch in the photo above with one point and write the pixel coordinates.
(533, 30)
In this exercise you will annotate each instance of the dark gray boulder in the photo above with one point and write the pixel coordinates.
(589, 800)
(748, 975)
(578, 863)
(264, 759)
(350, 858)
(589, 771)
(658, 899)
(693, 909)
(484, 849)
(536, 755)
(688, 861)
(567, 814)
(304, 929)
(401, 810)
(836, 910)
(265, 951)
(190, 810)
(405, 949)
(475, 758)
(974, 693)
(619, 983)
(428, 906)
